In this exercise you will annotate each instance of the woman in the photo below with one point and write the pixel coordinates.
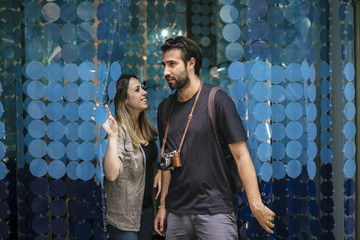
(130, 164)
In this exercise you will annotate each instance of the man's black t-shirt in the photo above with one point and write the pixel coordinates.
(203, 184)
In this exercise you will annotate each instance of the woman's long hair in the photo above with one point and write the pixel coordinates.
(124, 117)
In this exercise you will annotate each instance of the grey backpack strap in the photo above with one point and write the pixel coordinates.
(211, 108)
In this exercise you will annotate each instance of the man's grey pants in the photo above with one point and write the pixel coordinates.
(201, 227)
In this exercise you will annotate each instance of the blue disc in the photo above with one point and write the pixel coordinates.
(40, 225)
(32, 10)
(349, 225)
(325, 104)
(58, 207)
(294, 111)
(277, 112)
(234, 51)
(266, 171)
(349, 71)
(305, 70)
(87, 51)
(311, 112)
(294, 130)
(3, 170)
(70, 52)
(102, 72)
(37, 128)
(59, 227)
(325, 121)
(349, 91)
(275, 15)
(71, 92)
(311, 169)
(264, 151)
(228, 13)
(2, 127)
(83, 230)
(277, 94)
(36, 90)
(53, 72)
(236, 70)
(38, 167)
(259, 29)
(55, 130)
(71, 112)
(293, 72)
(277, 36)
(349, 110)
(85, 171)
(37, 148)
(349, 206)
(112, 90)
(231, 32)
(262, 111)
(240, 106)
(260, 50)
(237, 89)
(261, 71)
(68, 32)
(311, 91)
(71, 170)
(325, 70)
(36, 109)
(51, 12)
(349, 149)
(349, 130)
(86, 151)
(57, 169)
(349, 187)
(293, 168)
(86, 11)
(87, 131)
(293, 149)
(311, 150)
(71, 131)
(261, 91)
(278, 169)
(87, 71)
(294, 91)
(56, 150)
(54, 111)
(70, 72)
(54, 91)
(101, 114)
(115, 71)
(4, 211)
(86, 31)
(35, 70)
(68, 12)
(57, 188)
(278, 131)
(87, 91)
(263, 132)
(39, 186)
(71, 151)
(325, 155)
(86, 110)
(40, 205)
(312, 73)
(325, 138)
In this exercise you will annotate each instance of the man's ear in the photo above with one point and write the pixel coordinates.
(191, 63)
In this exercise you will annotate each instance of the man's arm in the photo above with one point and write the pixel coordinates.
(159, 221)
(248, 177)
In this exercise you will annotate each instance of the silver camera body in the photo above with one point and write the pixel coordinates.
(170, 160)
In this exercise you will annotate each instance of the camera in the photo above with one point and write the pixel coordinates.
(170, 160)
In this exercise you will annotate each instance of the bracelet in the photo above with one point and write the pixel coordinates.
(161, 207)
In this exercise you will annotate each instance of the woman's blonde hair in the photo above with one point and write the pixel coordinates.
(124, 117)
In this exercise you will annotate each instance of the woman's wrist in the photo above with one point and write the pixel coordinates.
(162, 206)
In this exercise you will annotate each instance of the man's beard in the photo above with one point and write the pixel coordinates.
(181, 82)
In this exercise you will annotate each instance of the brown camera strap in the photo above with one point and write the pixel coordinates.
(187, 125)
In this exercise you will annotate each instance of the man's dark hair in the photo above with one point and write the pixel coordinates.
(188, 49)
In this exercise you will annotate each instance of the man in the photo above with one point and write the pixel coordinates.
(196, 198)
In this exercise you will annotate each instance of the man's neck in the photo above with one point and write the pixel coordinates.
(185, 94)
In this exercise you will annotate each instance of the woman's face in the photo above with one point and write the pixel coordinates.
(136, 97)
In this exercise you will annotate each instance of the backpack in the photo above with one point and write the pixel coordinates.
(237, 185)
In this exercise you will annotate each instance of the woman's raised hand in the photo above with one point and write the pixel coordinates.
(111, 125)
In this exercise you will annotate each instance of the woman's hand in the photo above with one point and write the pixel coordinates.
(111, 125)
(157, 183)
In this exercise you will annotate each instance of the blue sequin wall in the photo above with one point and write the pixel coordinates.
(279, 60)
